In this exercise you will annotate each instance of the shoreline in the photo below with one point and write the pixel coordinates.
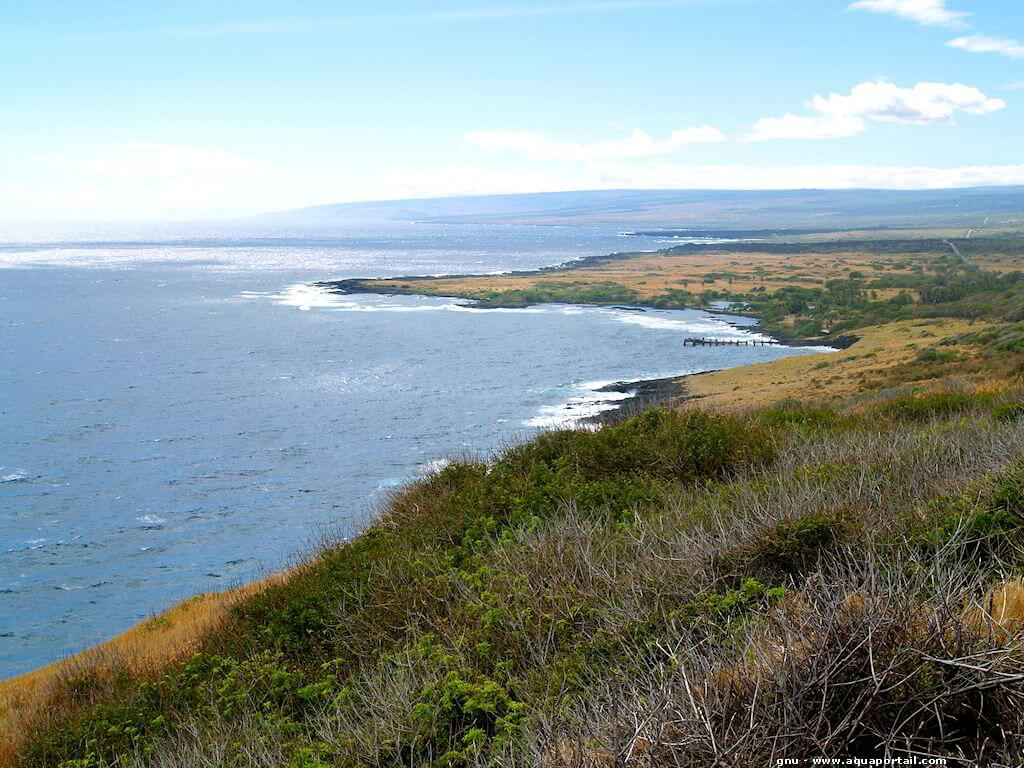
(363, 286)
(669, 391)
(370, 286)
(666, 392)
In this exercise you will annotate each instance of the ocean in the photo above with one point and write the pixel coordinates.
(181, 412)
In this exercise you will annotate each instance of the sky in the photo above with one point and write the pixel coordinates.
(142, 110)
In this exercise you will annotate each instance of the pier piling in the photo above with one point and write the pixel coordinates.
(712, 342)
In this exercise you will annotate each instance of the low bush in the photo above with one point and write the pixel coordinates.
(930, 405)
(788, 548)
(794, 413)
(938, 355)
(984, 525)
(462, 719)
(553, 292)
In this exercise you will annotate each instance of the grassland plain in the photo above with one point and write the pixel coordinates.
(726, 583)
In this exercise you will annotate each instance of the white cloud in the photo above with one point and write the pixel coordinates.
(930, 12)
(245, 194)
(985, 44)
(920, 104)
(843, 115)
(805, 127)
(147, 180)
(635, 143)
(143, 160)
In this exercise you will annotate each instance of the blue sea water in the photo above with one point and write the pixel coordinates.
(181, 412)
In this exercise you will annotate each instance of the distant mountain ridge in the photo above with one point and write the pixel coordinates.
(977, 206)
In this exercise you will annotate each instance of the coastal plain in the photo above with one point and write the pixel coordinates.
(881, 268)
(812, 502)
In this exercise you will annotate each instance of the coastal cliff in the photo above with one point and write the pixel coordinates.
(818, 555)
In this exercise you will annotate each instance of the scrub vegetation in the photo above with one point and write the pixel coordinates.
(679, 588)
(726, 584)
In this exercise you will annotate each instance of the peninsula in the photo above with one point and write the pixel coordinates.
(817, 554)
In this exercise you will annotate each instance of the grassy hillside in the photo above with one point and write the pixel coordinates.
(729, 583)
(676, 589)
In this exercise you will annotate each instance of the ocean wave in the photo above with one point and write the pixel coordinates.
(700, 327)
(150, 521)
(18, 476)
(306, 297)
(576, 410)
(496, 310)
(433, 466)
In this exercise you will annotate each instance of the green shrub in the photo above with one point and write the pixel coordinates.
(732, 603)
(930, 405)
(1008, 412)
(787, 548)
(986, 525)
(463, 718)
(550, 292)
(792, 413)
(938, 355)
(659, 443)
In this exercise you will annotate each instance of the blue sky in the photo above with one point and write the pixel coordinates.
(144, 110)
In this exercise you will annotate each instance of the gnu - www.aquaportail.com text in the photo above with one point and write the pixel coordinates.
(860, 761)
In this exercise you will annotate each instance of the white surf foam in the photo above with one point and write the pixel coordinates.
(705, 327)
(576, 410)
(433, 466)
(306, 297)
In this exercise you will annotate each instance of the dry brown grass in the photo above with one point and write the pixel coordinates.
(900, 674)
(1001, 613)
(144, 649)
(652, 274)
(869, 363)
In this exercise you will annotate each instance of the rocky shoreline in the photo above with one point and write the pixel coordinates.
(645, 393)
(366, 285)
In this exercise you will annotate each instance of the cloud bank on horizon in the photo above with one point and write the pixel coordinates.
(503, 99)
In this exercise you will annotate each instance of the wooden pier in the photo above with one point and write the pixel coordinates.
(692, 342)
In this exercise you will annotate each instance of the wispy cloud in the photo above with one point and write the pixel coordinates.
(144, 179)
(487, 13)
(140, 161)
(1004, 46)
(842, 115)
(635, 143)
(805, 127)
(235, 187)
(936, 13)
(930, 12)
